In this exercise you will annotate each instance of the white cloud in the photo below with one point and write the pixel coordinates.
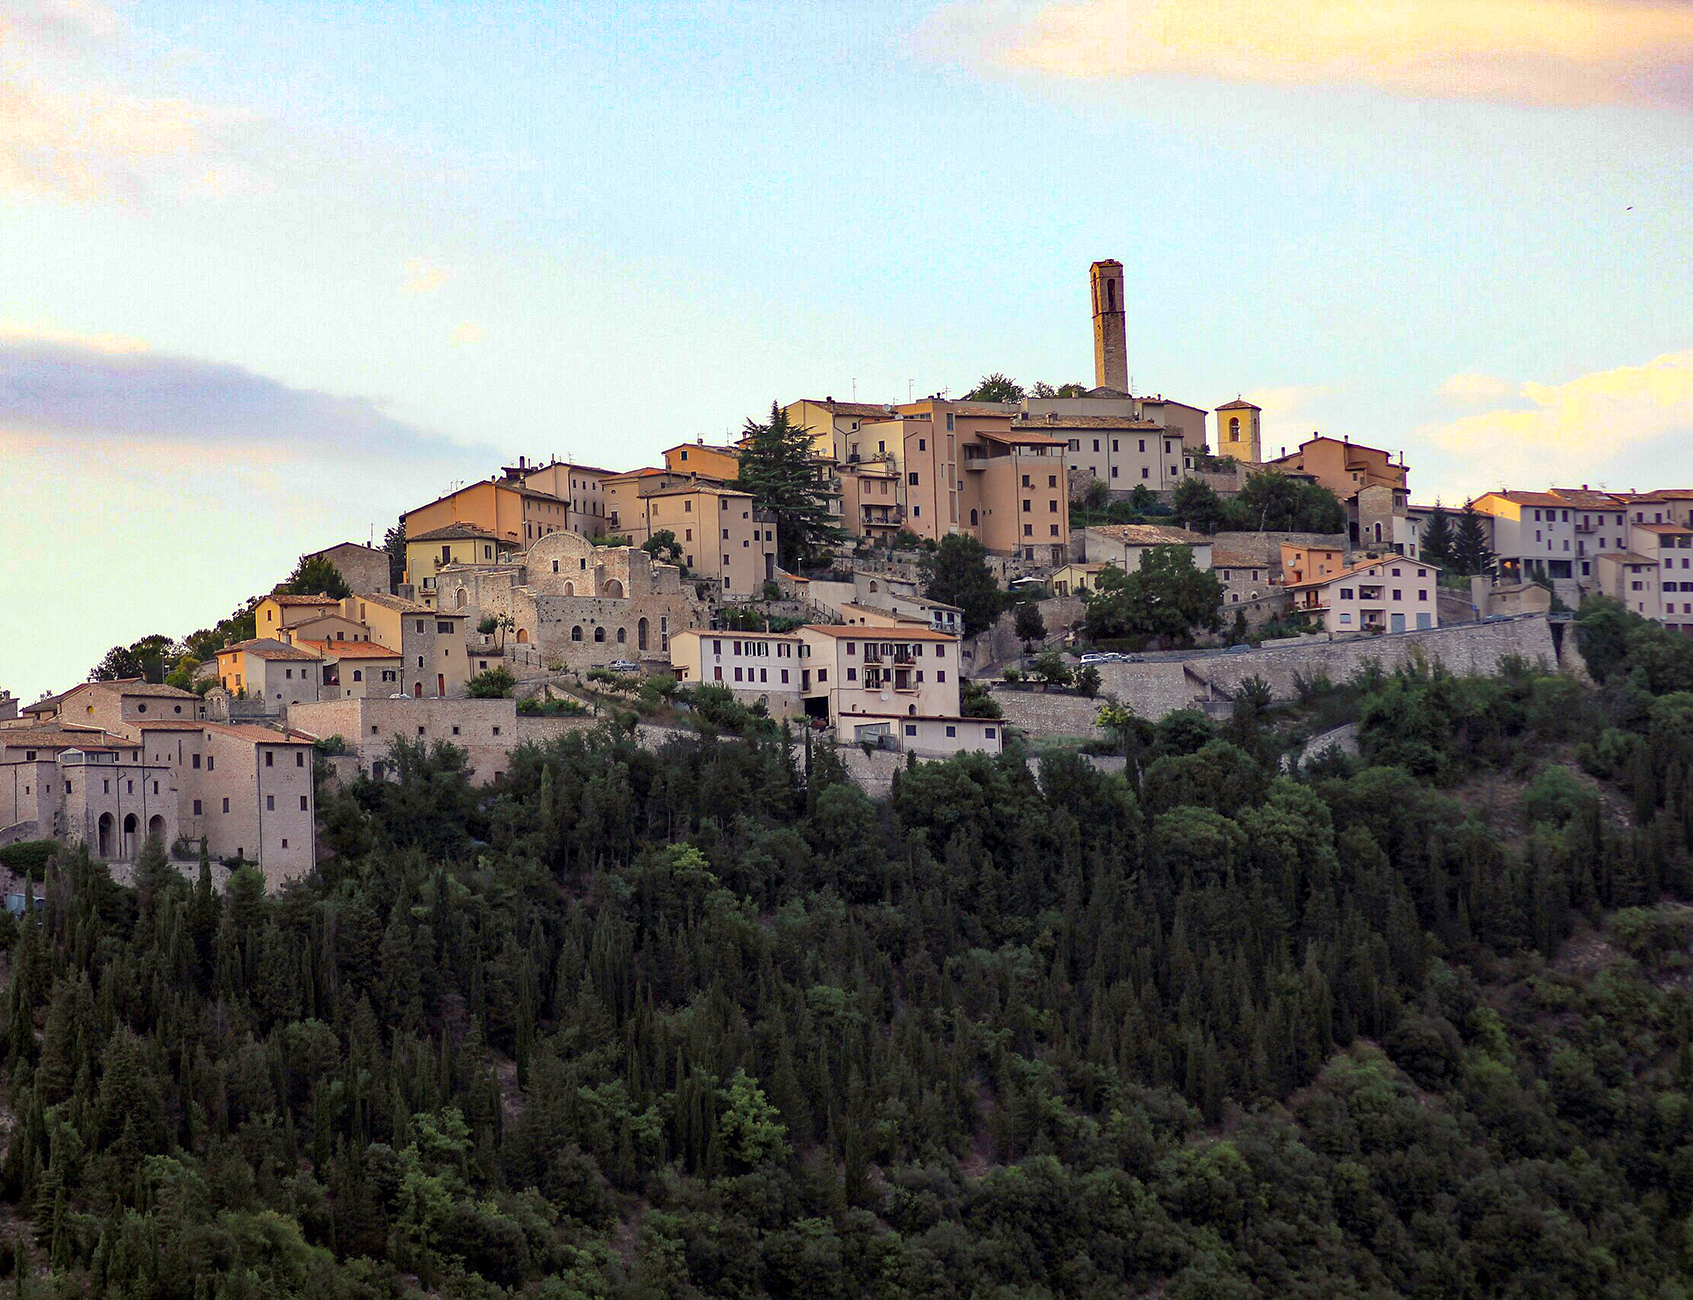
(69, 133)
(424, 277)
(1573, 431)
(1554, 52)
(1473, 388)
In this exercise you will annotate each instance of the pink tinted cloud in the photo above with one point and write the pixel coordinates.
(1575, 53)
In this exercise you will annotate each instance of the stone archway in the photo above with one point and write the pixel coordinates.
(156, 829)
(522, 636)
(103, 835)
(613, 589)
(130, 825)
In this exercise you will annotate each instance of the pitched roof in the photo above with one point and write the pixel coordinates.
(350, 649)
(260, 735)
(1527, 499)
(458, 531)
(164, 724)
(63, 738)
(400, 605)
(1019, 437)
(1239, 404)
(281, 599)
(1150, 535)
(1628, 557)
(722, 449)
(1360, 568)
(1664, 530)
(264, 647)
(1052, 420)
(846, 408)
(1587, 499)
(700, 485)
(859, 633)
(357, 546)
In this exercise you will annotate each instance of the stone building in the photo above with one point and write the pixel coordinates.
(110, 763)
(364, 567)
(577, 604)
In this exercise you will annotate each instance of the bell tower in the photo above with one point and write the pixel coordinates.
(1238, 433)
(1110, 326)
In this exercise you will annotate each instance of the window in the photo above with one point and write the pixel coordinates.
(852, 674)
(270, 803)
(196, 807)
(420, 625)
(302, 807)
(911, 728)
(990, 732)
(1027, 505)
(270, 758)
(940, 676)
(444, 625)
(1346, 593)
(455, 731)
(226, 805)
(951, 730)
(496, 731)
(1052, 507)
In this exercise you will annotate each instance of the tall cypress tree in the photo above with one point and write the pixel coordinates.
(1437, 540)
(1469, 550)
(782, 472)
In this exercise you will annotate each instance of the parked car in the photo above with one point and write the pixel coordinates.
(1102, 657)
(623, 666)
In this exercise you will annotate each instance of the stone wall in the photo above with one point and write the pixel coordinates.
(987, 650)
(1046, 713)
(1474, 648)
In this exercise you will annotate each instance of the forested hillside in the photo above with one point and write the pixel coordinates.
(707, 1023)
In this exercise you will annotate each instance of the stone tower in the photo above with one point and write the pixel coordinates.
(1110, 327)
(1238, 434)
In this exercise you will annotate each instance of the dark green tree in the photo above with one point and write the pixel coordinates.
(1029, 625)
(1196, 505)
(1469, 550)
(995, 388)
(147, 659)
(1168, 596)
(958, 574)
(781, 469)
(314, 575)
(394, 542)
(1437, 538)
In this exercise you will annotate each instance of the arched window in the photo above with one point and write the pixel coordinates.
(973, 519)
(1111, 295)
(911, 709)
(873, 586)
(641, 635)
(599, 634)
(576, 633)
(622, 635)
(570, 588)
(1234, 428)
(1378, 532)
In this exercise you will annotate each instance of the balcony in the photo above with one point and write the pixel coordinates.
(881, 516)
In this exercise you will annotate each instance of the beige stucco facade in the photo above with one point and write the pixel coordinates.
(1390, 594)
(431, 642)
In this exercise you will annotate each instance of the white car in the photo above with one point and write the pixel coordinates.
(623, 666)
(1100, 658)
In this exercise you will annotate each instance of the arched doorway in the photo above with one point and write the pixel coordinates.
(522, 636)
(417, 690)
(103, 835)
(459, 599)
(613, 589)
(129, 827)
(156, 829)
(641, 635)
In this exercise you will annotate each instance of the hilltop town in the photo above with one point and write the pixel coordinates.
(881, 577)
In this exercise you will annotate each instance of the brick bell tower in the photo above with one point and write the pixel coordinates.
(1110, 326)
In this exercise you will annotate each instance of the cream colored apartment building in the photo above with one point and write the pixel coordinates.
(1389, 594)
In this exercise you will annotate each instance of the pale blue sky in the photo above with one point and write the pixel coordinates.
(272, 273)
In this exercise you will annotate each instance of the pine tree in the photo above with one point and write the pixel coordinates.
(782, 471)
(1437, 538)
(1469, 549)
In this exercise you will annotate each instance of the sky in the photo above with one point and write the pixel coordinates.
(270, 274)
